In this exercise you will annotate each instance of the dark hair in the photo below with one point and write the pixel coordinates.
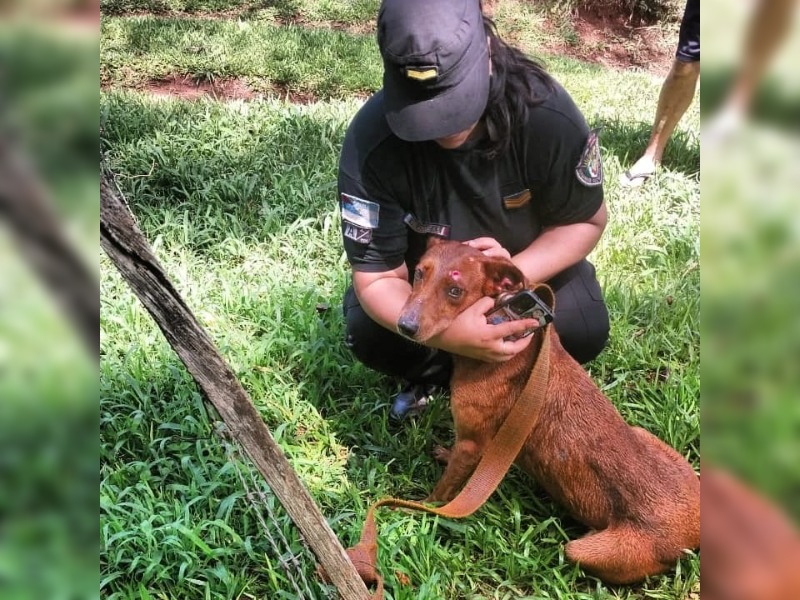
(518, 83)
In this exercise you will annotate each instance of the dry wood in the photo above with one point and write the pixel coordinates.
(26, 206)
(125, 245)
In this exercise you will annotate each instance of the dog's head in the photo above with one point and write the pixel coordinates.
(449, 278)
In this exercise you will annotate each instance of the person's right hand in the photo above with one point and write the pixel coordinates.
(472, 336)
(489, 247)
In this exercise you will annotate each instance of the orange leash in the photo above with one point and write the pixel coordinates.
(493, 466)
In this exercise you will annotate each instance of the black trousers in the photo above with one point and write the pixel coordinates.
(689, 35)
(581, 320)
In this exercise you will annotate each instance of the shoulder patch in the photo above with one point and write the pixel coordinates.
(360, 212)
(362, 235)
(517, 200)
(589, 170)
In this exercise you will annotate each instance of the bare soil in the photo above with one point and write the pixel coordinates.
(619, 41)
(182, 86)
(232, 88)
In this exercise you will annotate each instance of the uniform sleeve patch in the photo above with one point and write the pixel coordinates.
(361, 213)
(362, 235)
(590, 167)
(517, 200)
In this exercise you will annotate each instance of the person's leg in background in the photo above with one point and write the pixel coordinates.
(766, 31)
(677, 93)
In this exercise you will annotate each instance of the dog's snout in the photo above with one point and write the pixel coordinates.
(408, 325)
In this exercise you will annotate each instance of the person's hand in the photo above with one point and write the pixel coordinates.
(472, 336)
(489, 246)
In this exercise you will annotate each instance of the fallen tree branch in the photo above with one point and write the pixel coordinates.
(126, 246)
(26, 206)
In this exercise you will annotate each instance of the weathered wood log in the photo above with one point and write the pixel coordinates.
(128, 249)
(26, 206)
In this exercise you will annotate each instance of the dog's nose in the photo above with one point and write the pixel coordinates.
(408, 326)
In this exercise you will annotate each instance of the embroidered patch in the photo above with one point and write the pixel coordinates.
(362, 235)
(590, 167)
(436, 229)
(422, 73)
(362, 213)
(517, 200)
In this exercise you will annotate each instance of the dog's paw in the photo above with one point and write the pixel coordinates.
(441, 496)
(441, 454)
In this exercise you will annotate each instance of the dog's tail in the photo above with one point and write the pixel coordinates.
(619, 555)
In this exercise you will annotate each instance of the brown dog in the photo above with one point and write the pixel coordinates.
(639, 496)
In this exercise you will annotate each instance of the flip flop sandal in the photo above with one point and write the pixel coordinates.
(629, 180)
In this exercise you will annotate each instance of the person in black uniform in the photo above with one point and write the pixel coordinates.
(468, 140)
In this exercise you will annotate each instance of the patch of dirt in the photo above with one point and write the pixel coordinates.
(232, 88)
(616, 40)
(297, 20)
(177, 86)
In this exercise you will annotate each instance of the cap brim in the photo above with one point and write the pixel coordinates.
(417, 115)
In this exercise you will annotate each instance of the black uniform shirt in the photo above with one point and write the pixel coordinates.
(393, 194)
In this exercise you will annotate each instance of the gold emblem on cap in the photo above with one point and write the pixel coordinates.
(422, 74)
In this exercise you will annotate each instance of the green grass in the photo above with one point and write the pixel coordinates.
(49, 448)
(328, 63)
(317, 58)
(341, 11)
(164, 7)
(238, 200)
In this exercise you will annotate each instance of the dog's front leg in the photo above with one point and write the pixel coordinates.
(463, 458)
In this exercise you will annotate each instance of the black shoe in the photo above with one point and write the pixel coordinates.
(410, 401)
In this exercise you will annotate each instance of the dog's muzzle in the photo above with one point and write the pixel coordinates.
(408, 325)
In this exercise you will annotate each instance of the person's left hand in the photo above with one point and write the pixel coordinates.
(489, 246)
(471, 335)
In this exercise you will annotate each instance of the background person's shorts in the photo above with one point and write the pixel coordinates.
(689, 36)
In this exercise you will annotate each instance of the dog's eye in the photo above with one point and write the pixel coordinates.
(455, 292)
(417, 274)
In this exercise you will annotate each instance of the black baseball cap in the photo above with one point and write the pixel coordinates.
(435, 66)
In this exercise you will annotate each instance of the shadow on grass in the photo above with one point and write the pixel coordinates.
(257, 172)
(225, 173)
(149, 35)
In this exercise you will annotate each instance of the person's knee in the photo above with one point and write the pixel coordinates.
(581, 319)
(385, 351)
(686, 70)
(365, 338)
(594, 343)
(585, 341)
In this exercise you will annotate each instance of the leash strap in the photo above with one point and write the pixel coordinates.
(493, 466)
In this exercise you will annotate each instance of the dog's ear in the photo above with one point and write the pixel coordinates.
(501, 276)
(545, 292)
